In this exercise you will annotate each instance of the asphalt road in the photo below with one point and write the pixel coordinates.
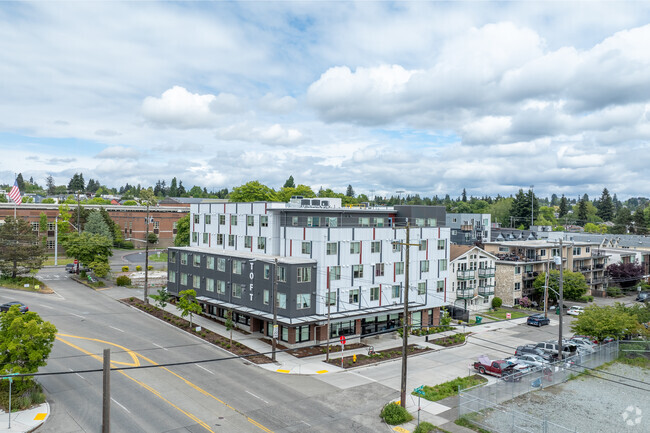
(214, 396)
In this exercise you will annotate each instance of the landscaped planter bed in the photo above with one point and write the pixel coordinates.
(382, 355)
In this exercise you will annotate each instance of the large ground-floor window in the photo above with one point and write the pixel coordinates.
(342, 328)
(382, 322)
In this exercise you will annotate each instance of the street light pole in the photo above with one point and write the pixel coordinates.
(275, 312)
(532, 206)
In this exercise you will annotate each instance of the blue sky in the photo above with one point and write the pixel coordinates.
(425, 97)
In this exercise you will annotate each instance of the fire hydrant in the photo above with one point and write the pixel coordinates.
(354, 358)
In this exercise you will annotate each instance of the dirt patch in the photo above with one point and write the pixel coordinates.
(205, 334)
(382, 355)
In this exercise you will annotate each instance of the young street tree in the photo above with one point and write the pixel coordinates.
(574, 284)
(25, 344)
(188, 305)
(230, 325)
(20, 249)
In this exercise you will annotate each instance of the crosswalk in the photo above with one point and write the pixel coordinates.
(53, 277)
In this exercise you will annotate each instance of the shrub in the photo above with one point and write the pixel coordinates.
(424, 427)
(138, 268)
(586, 298)
(496, 302)
(123, 280)
(125, 269)
(150, 267)
(614, 292)
(524, 302)
(394, 414)
(98, 284)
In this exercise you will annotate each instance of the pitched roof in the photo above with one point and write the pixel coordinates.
(456, 251)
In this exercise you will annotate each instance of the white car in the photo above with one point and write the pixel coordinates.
(533, 360)
(575, 310)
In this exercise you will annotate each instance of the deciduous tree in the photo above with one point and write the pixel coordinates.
(574, 284)
(188, 305)
(87, 247)
(182, 238)
(20, 249)
(602, 322)
(252, 191)
(625, 274)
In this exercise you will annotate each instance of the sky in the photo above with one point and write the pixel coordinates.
(426, 97)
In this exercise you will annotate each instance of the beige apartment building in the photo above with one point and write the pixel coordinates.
(520, 262)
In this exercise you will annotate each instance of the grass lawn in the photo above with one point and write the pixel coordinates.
(156, 258)
(62, 261)
(19, 283)
(501, 314)
(448, 389)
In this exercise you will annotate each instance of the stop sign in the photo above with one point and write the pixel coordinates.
(76, 261)
(342, 338)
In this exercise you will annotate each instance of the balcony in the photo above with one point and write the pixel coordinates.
(466, 228)
(486, 272)
(530, 275)
(598, 253)
(486, 291)
(465, 294)
(466, 274)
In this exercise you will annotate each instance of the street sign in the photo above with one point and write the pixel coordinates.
(342, 338)
(76, 261)
(275, 331)
(508, 316)
(419, 390)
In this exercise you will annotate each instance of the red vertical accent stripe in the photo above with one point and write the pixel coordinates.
(328, 279)
(360, 251)
(373, 233)
(304, 233)
(394, 267)
(290, 247)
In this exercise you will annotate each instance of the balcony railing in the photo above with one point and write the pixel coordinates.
(466, 228)
(465, 294)
(530, 275)
(485, 272)
(486, 290)
(469, 274)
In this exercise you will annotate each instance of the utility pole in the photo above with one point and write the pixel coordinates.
(275, 313)
(327, 354)
(146, 259)
(560, 346)
(106, 407)
(56, 240)
(405, 323)
(532, 206)
(548, 270)
(78, 224)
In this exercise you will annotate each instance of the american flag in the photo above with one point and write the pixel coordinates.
(14, 194)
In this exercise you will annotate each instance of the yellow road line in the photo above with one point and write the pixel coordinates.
(321, 371)
(283, 371)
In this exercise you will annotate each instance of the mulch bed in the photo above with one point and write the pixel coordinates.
(304, 352)
(452, 340)
(205, 334)
(381, 355)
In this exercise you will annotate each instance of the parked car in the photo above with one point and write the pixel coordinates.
(642, 296)
(533, 360)
(538, 320)
(575, 310)
(22, 307)
(499, 368)
(70, 267)
(530, 349)
(583, 341)
(552, 348)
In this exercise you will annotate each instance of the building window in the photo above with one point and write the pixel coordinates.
(419, 222)
(355, 247)
(432, 222)
(395, 291)
(250, 220)
(517, 270)
(222, 220)
(379, 270)
(221, 287)
(231, 240)
(219, 239)
(264, 220)
(221, 264)
(209, 262)
(423, 245)
(542, 253)
(183, 258)
(195, 237)
(237, 266)
(233, 220)
(442, 265)
(374, 293)
(302, 333)
(424, 266)
(332, 248)
(333, 222)
(555, 252)
(183, 279)
(364, 222)
(51, 226)
(399, 268)
(375, 247)
(282, 274)
(422, 288)
(261, 243)
(248, 241)
(354, 296)
(294, 221)
(335, 273)
(396, 246)
(51, 244)
(303, 301)
(304, 275)
(209, 285)
(267, 272)
(517, 286)
(267, 296)
(196, 218)
(313, 221)
(172, 256)
(577, 251)
(206, 237)
(440, 286)
(281, 300)
(441, 244)
(196, 260)
(357, 271)
(306, 247)
(379, 222)
(236, 290)
(332, 298)
(172, 276)
(208, 220)
(587, 250)
(196, 282)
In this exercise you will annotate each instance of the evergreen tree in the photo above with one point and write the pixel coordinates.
(181, 189)
(50, 185)
(20, 181)
(564, 207)
(617, 204)
(31, 180)
(20, 249)
(349, 192)
(554, 200)
(582, 212)
(77, 183)
(289, 183)
(173, 189)
(622, 221)
(639, 222)
(585, 197)
(605, 206)
(520, 209)
(157, 189)
(95, 224)
(464, 195)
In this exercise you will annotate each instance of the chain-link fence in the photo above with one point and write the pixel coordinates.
(475, 402)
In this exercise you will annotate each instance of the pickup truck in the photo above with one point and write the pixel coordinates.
(499, 368)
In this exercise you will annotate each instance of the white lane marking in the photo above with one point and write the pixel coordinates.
(158, 345)
(361, 375)
(115, 401)
(203, 368)
(46, 306)
(81, 317)
(57, 294)
(117, 329)
(257, 397)
(77, 374)
(306, 423)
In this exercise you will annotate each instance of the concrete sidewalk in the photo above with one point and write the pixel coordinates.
(25, 421)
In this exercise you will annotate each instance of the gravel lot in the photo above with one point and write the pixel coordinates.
(586, 405)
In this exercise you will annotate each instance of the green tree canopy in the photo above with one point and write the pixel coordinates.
(252, 191)
(97, 225)
(563, 208)
(289, 183)
(602, 322)
(605, 206)
(88, 247)
(574, 284)
(286, 193)
(182, 238)
(20, 249)
(188, 305)
(25, 344)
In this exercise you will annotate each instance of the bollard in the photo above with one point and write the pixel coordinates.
(354, 358)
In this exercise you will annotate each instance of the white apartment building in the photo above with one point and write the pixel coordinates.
(349, 257)
(471, 278)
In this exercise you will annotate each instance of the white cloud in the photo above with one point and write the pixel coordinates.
(279, 105)
(179, 108)
(118, 152)
(271, 135)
